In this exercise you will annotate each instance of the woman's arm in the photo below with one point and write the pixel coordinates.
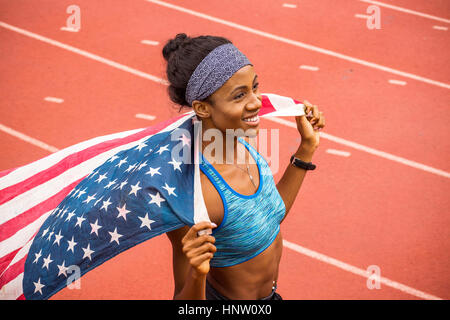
(293, 177)
(191, 256)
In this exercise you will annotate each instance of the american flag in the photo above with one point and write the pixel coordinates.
(87, 203)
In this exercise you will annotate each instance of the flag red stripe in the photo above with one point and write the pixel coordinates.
(75, 159)
(13, 271)
(16, 269)
(5, 260)
(22, 297)
(5, 172)
(266, 106)
(69, 162)
(55, 170)
(10, 227)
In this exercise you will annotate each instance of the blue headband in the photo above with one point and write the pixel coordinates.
(213, 71)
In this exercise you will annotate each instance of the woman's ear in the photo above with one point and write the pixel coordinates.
(201, 109)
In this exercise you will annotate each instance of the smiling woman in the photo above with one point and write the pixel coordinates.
(239, 259)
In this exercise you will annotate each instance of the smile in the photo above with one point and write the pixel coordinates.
(253, 121)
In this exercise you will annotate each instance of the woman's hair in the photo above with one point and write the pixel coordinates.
(183, 54)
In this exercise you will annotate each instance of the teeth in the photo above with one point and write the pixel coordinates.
(251, 119)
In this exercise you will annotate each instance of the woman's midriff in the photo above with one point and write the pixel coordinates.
(252, 279)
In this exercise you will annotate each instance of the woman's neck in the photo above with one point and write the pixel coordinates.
(222, 147)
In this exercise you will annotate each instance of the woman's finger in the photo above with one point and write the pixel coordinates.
(207, 247)
(197, 261)
(193, 231)
(320, 123)
(315, 114)
(197, 242)
(308, 108)
(322, 120)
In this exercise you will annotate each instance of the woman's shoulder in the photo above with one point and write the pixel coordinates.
(253, 142)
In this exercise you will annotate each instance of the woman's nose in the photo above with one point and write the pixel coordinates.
(256, 102)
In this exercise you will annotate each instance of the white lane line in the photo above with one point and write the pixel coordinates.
(53, 99)
(358, 271)
(362, 16)
(150, 42)
(397, 82)
(339, 152)
(28, 139)
(440, 28)
(69, 29)
(372, 151)
(279, 120)
(145, 116)
(302, 45)
(288, 5)
(310, 68)
(84, 53)
(417, 13)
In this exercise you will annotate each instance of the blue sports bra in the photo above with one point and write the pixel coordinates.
(250, 223)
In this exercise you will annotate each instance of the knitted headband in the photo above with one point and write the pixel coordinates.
(213, 71)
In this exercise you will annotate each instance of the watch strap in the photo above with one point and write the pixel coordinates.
(302, 164)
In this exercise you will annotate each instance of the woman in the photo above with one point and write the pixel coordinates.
(240, 259)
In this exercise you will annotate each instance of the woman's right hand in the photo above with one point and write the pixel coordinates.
(199, 250)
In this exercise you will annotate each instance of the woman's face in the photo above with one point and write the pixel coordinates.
(236, 104)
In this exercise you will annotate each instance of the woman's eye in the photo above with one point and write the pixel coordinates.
(239, 96)
(255, 86)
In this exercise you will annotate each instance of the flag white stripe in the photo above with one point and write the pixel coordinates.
(36, 195)
(42, 192)
(13, 289)
(20, 238)
(22, 173)
(22, 252)
(284, 106)
(200, 212)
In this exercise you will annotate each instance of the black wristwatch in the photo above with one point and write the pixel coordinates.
(302, 164)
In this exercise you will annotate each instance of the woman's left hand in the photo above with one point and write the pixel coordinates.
(308, 126)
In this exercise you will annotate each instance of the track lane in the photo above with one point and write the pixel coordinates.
(364, 211)
(439, 8)
(333, 26)
(342, 84)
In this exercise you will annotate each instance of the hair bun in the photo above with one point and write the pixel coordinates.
(174, 44)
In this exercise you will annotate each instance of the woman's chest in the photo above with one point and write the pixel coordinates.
(236, 180)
